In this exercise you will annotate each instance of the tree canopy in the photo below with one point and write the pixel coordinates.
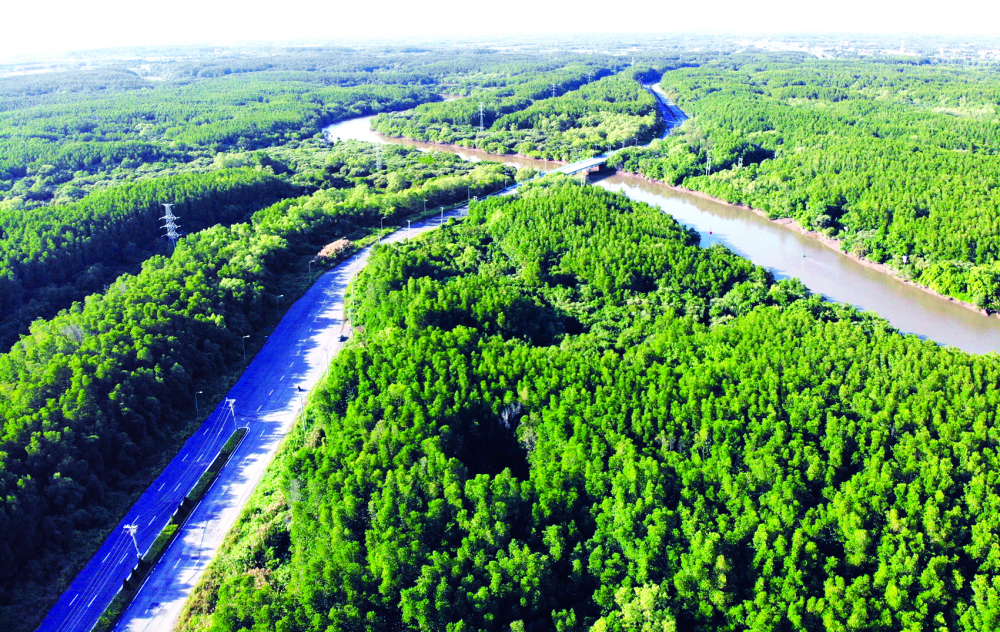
(563, 414)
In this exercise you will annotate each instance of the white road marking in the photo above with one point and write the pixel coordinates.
(74, 599)
(106, 557)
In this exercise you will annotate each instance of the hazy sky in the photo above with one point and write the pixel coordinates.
(38, 26)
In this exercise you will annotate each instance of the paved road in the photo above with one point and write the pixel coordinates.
(296, 355)
(672, 116)
(267, 400)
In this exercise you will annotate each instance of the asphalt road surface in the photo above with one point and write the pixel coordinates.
(267, 401)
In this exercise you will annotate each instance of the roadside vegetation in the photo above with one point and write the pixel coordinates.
(96, 394)
(561, 413)
(565, 415)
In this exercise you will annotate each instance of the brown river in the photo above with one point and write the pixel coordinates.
(781, 250)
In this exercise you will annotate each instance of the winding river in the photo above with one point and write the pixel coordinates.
(781, 250)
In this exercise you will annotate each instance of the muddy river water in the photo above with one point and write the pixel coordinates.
(783, 251)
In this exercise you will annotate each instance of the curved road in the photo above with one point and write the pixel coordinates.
(296, 355)
(267, 400)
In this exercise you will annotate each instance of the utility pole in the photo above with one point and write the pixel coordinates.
(131, 529)
(302, 413)
(232, 410)
(170, 225)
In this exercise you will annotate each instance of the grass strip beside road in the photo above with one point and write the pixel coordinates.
(134, 582)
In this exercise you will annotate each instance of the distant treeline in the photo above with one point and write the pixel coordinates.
(900, 161)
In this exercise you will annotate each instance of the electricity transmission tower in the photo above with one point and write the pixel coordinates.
(378, 157)
(480, 117)
(170, 225)
(553, 90)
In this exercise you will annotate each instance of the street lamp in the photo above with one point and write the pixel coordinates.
(131, 529)
(196, 394)
(276, 297)
(311, 262)
(244, 341)
(302, 412)
(407, 228)
(232, 410)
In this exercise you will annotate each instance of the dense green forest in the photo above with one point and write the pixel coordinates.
(564, 415)
(898, 160)
(52, 255)
(93, 395)
(46, 147)
(561, 413)
(577, 112)
(87, 157)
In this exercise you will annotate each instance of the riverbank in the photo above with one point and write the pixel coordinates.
(829, 242)
(908, 306)
(786, 222)
(453, 148)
